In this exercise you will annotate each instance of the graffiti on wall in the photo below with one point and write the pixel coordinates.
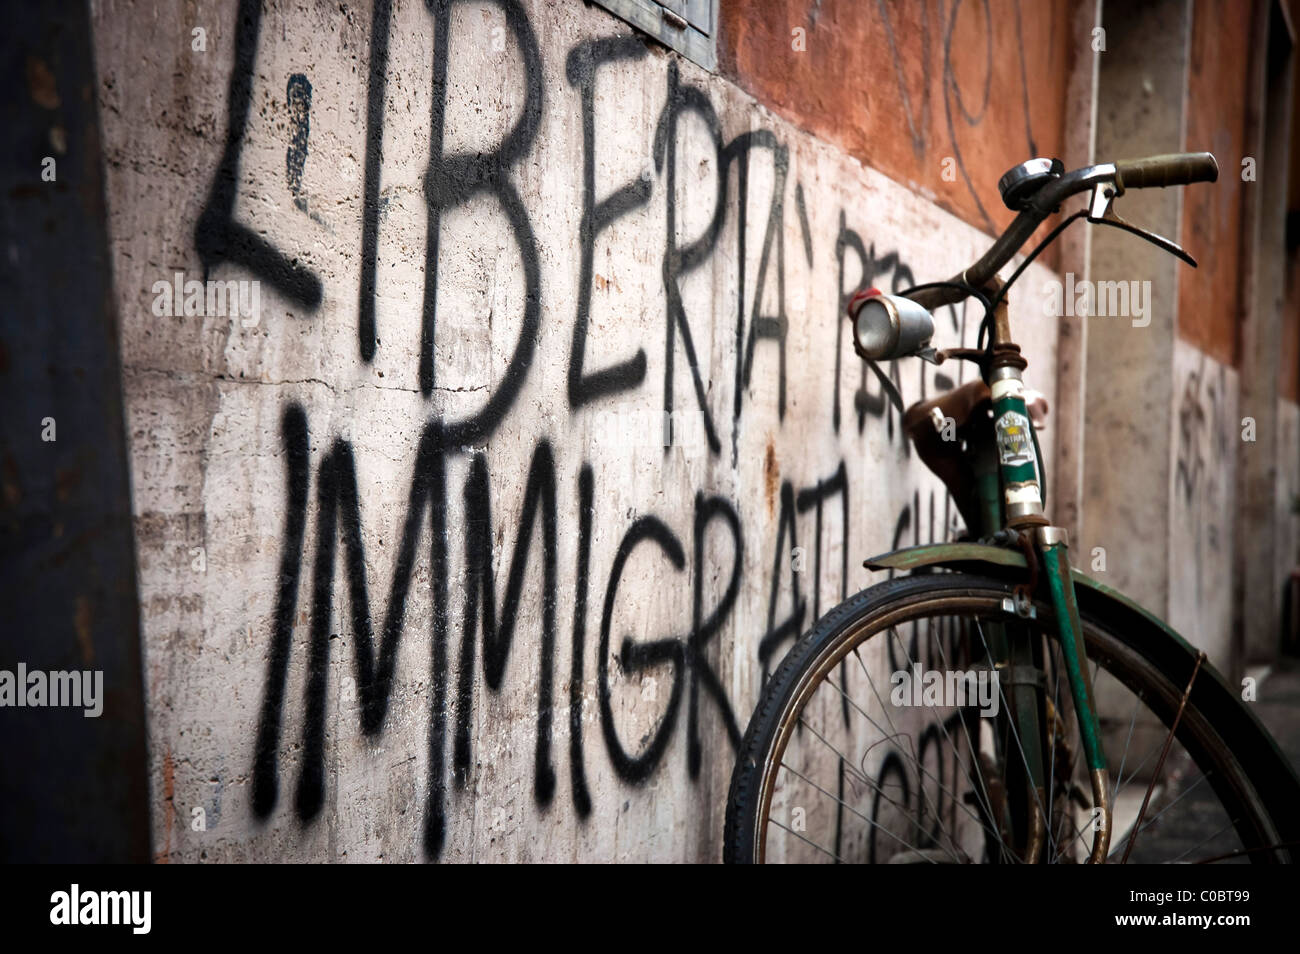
(475, 625)
(1206, 435)
(1203, 444)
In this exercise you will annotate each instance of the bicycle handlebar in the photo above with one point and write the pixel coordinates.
(1172, 170)
(1156, 171)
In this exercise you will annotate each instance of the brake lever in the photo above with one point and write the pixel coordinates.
(1101, 211)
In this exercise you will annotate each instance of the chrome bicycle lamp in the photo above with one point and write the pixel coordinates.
(889, 326)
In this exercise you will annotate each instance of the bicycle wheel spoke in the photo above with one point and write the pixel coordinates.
(846, 805)
(1164, 754)
(1204, 841)
(1012, 723)
(943, 657)
(921, 769)
(1156, 817)
(806, 841)
(844, 758)
(861, 777)
(1119, 776)
(1051, 744)
(1133, 774)
(987, 804)
(915, 757)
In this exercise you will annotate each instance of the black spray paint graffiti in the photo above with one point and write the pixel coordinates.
(381, 18)
(218, 238)
(793, 624)
(453, 180)
(339, 519)
(914, 518)
(680, 260)
(337, 491)
(1204, 443)
(497, 635)
(687, 659)
(787, 543)
(489, 628)
(580, 68)
(922, 799)
(768, 327)
(298, 95)
(808, 498)
(1203, 433)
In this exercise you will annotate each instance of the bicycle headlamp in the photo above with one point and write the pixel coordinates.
(888, 326)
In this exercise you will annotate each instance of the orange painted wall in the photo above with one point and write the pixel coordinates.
(1209, 301)
(905, 85)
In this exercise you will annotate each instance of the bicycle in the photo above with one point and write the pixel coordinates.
(1010, 769)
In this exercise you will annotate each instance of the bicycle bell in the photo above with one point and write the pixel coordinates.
(1019, 183)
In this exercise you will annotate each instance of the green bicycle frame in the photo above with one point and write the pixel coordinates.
(1020, 472)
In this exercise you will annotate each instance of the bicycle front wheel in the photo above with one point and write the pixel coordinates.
(885, 736)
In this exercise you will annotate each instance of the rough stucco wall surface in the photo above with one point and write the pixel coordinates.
(1206, 429)
(308, 494)
(1286, 554)
(942, 96)
(1209, 307)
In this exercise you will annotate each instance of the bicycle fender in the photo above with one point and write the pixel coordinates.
(963, 555)
(947, 554)
(998, 560)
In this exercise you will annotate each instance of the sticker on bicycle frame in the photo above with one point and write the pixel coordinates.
(1015, 443)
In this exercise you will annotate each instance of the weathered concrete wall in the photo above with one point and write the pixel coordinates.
(442, 440)
(1261, 328)
(1129, 403)
(1206, 431)
(1286, 500)
(1189, 452)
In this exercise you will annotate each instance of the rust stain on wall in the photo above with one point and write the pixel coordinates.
(771, 477)
(169, 806)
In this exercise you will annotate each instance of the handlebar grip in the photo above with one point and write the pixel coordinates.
(1171, 170)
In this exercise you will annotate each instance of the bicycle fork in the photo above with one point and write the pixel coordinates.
(1018, 466)
(1055, 549)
